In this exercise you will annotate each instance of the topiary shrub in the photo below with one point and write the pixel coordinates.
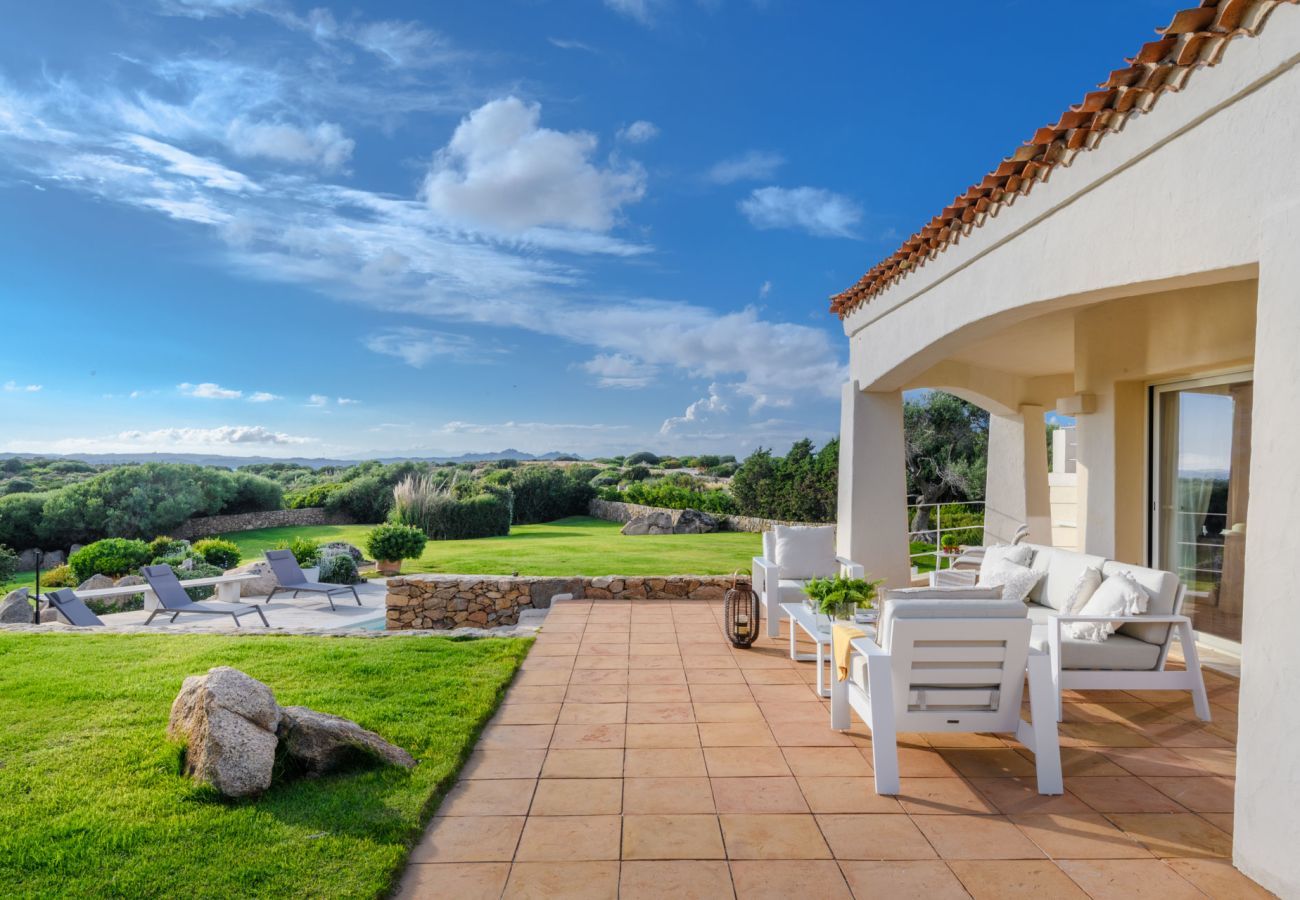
(305, 550)
(217, 552)
(338, 568)
(392, 542)
(113, 557)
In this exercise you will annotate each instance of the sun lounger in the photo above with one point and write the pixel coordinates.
(173, 599)
(291, 578)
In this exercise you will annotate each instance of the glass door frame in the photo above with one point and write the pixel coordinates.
(1155, 473)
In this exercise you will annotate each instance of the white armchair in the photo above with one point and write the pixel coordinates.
(792, 555)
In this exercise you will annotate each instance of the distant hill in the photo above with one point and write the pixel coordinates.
(234, 462)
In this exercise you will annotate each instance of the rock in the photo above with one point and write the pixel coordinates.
(15, 608)
(49, 559)
(95, 583)
(53, 558)
(125, 599)
(322, 743)
(228, 723)
(260, 586)
(74, 548)
(650, 523)
(693, 521)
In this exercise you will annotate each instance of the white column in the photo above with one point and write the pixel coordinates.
(1016, 490)
(872, 528)
(1268, 765)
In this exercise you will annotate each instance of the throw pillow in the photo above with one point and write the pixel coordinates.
(1119, 595)
(1084, 587)
(1020, 554)
(804, 551)
(1016, 580)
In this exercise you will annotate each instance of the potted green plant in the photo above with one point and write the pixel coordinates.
(838, 597)
(949, 543)
(390, 543)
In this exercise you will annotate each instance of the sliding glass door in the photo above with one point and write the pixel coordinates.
(1201, 465)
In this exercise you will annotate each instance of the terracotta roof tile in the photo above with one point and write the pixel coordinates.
(1196, 37)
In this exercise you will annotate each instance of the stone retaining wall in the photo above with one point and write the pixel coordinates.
(207, 526)
(450, 601)
(615, 511)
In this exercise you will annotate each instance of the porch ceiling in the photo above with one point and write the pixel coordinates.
(1039, 346)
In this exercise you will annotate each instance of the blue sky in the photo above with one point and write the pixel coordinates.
(281, 228)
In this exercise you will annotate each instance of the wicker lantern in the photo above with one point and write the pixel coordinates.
(740, 611)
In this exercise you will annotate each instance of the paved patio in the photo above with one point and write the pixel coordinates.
(305, 611)
(638, 755)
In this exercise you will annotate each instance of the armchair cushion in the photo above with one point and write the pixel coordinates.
(1119, 652)
(1062, 569)
(1015, 580)
(806, 551)
(946, 607)
(1161, 588)
(1020, 554)
(1119, 595)
(792, 590)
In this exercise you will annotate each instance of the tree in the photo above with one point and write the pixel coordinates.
(801, 486)
(946, 442)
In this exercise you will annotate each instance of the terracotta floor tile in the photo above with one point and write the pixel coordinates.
(662, 736)
(656, 676)
(599, 663)
(1153, 761)
(672, 837)
(1121, 794)
(537, 677)
(960, 740)
(942, 796)
(578, 797)
(599, 676)
(784, 693)
(992, 763)
(568, 880)
(646, 648)
(772, 676)
(977, 837)
(1177, 834)
(1121, 879)
(659, 713)
(758, 795)
(598, 648)
(527, 714)
(773, 837)
(1217, 878)
(583, 764)
(876, 836)
(1077, 761)
(1183, 734)
(665, 663)
(1079, 836)
(931, 880)
(813, 761)
(721, 693)
(592, 713)
(844, 794)
(658, 693)
(1020, 795)
(549, 693)
(679, 879)
(542, 663)
(465, 881)
(488, 797)
(553, 838)
(588, 737)
(663, 796)
(597, 693)
(815, 714)
(515, 737)
(1208, 794)
(1015, 880)
(804, 734)
(736, 734)
(1221, 821)
(1216, 761)
(714, 676)
(664, 763)
(920, 762)
(757, 762)
(783, 879)
(503, 764)
(469, 839)
(739, 711)
(1101, 734)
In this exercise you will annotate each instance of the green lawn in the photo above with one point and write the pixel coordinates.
(576, 546)
(91, 802)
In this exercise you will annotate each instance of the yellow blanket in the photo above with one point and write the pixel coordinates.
(840, 637)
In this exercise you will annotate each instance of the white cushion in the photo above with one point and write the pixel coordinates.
(1020, 554)
(769, 546)
(960, 607)
(1061, 570)
(1015, 580)
(792, 590)
(1119, 595)
(1084, 587)
(1161, 587)
(1118, 652)
(806, 551)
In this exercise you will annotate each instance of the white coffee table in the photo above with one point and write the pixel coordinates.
(809, 622)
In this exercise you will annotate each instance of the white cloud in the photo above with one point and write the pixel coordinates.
(318, 400)
(208, 391)
(819, 212)
(324, 145)
(620, 371)
(419, 346)
(754, 165)
(571, 44)
(697, 412)
(764, 290)
(13, 387)
(347, 401)
(225, 434)
(642, 11)
(263, 397)
(518, 428)
(639, 132)
(503, 170)
(226, 439)
(209, 172)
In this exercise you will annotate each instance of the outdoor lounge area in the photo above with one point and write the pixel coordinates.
(638, 755)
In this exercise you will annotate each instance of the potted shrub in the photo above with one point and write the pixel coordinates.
(391, 543)
(949, 543)
(837, 598)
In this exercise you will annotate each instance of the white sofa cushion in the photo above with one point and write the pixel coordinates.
(769, 546)
(1161, 588)
(792, 590)
(1119, 652)
(1119, 595)
(1061, 569)
(806, 551)
(1089, 580)
(1015, 580)
(995, 555)
(962, 607)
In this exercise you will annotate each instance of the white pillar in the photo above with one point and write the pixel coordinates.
(1268, 765)
(1016, 490)
(872, 527)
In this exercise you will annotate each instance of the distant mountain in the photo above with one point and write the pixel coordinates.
(235, 462)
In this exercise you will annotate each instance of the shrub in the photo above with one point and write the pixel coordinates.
(19, 486)
(391, 542)
(20, 520)
(338, 568)
(636, 473)
(253, 493)
(316, 495)
(644, 457)
(453, 511)
(219, 553)
(366, 499)
(305, 550)
(547, 493)
(113, 557)
(166, 546)
(59, 577)
(196, 570)
(8, 563)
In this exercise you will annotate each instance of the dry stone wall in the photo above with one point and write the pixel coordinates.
(452, 601)
(614, 511)
(207, 526)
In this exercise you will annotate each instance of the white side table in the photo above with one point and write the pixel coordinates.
(808, 621)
